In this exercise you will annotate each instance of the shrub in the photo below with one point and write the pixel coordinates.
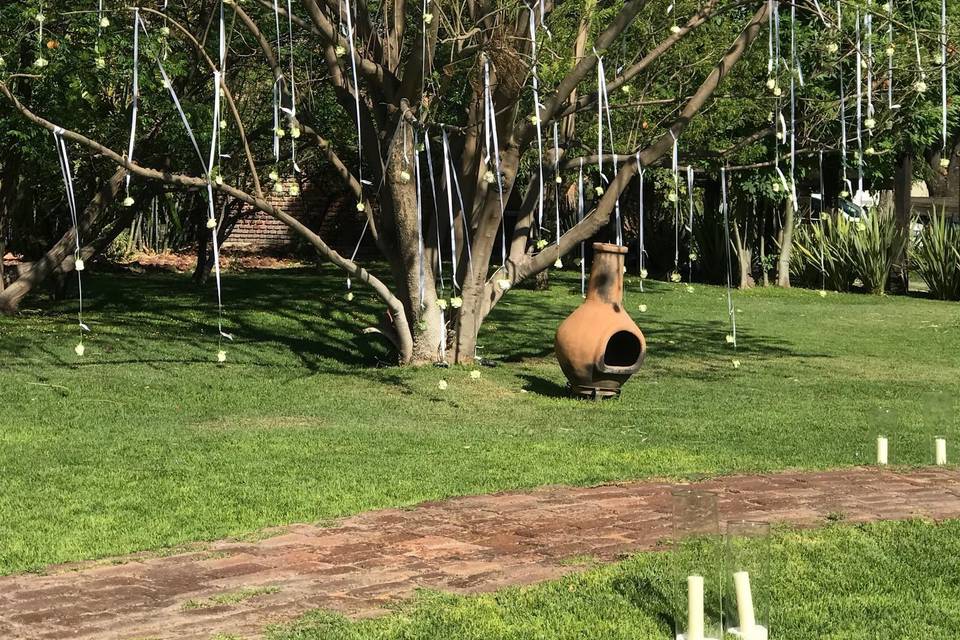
(936, 257)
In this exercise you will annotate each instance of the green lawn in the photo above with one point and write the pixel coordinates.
(146, 442)
(888, 581)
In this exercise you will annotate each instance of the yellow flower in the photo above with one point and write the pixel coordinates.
(693, 257)
(79, 349)
(642, 308)
(503, 284)
(771, 83)
(211, 223)
(672, 196)
(295, 132)
(869, 123)
(223, 124)
(558, 180)
(599, 190)
(128, 201)
(361, 207)
(475, 374)
(40, 62)
(777, 91)
(104, 22)
(427, 18)
(675, 277)
(823, 293)
(221, 356)
(277, 187)
(441, 303)
(489, 178)
(730, 339)
(165, 31)
(541, 244)
(558, 264)
(78, 265)
(643, 274)
(218, 179)
(944, 163)
(404, 176)
(832, 47)
(274, 175)
(279, 132)
(349, 296)
(294, 189)
(340, 50)
(920, 86)
(675, 29)
(442, 385)
(736, 364)
(456, 302)
(890, 50)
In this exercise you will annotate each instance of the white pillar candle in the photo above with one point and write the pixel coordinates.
(694, 608)
(881, 450)
(941, 446)
(746, 621)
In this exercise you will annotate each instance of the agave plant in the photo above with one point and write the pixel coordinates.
(877, 242)
(936, 257)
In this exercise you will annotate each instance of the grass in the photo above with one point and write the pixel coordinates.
(870, 582)
(146, 443)
(230, 597)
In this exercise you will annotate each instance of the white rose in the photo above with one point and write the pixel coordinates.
(221, 356)
(79, 349)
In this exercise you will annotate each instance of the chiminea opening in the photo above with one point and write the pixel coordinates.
(623, 350)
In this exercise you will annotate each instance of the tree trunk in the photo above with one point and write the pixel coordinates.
(40, 270)
(786, 247)
(902, 207)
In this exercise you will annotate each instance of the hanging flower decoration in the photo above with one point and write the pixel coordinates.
(870, 151)
(598, 190)
(78, 264)
(771, 83)
(165, 31)
(295, 189)
(475, 374)
(675, 277)
(295, 132)
(211, 223)
(104, 22)
(920, 86)
(642, 308)
(675, 29)
(869, 123)
(777, 91)
(693, 257)
(427, 18)
(441, 304)
(832, 47)
(361, 207)
(340, 50)
(79, 349)
(274, 175)
(442, 385)
(890, 50)
(729, 338)
(944, 163)
(558, 264)
(488, 177)
(277, 187)
(456, 302)
(404, 176)
(823, 293)
(221, 356)
(349, 296)
(672, 196)
(541, 243)
(558, 180)
(503, 284)
(41, 62)
(223, 124)
(128, 201)
(844, 194)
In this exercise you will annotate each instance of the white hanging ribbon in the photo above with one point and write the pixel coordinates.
(843, 102)
(675, 168)
(556, 183)
(605, 103)
(731, 308)
(420, 250)
(449, 189)
(690, 221)
(67, 173)
(943, 71)
(583, 256)
(363, 232)
(213, 161)
(868, 23)
(859, 108)
(356, 94)
(493, 143)
(456, 185)
(293, 87)
(536, 116)
(642, 250)
(794, 66)
(890, 57)
(436, 208)
(136, 92)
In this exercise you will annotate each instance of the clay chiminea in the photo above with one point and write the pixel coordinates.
(599, 346)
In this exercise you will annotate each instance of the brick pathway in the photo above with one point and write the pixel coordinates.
(464, 545)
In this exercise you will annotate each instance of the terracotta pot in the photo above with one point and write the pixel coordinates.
(599, 346)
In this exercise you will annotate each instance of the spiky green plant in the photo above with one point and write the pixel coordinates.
(876, 243)
(821, 254)
(936, 256)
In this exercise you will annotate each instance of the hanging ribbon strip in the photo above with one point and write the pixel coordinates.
(436, 208)
(293, 86)
(356, 98)
(536, 115)
(731, 309)
(690, 220)
(67, 174)
(823, 270)
(556, 182)
(859, 109)
(794, 75)
(843, 104)
(420, 250)
(868, 25)
(642, 249)
(449, 189)
(136, 92)
(363, 232)
(675, 168)
(212, 165)
(493, 144)
(452, 173)
(890, 54)
(605, 103)
(943, 72)
(276, 88)
(583, 256)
